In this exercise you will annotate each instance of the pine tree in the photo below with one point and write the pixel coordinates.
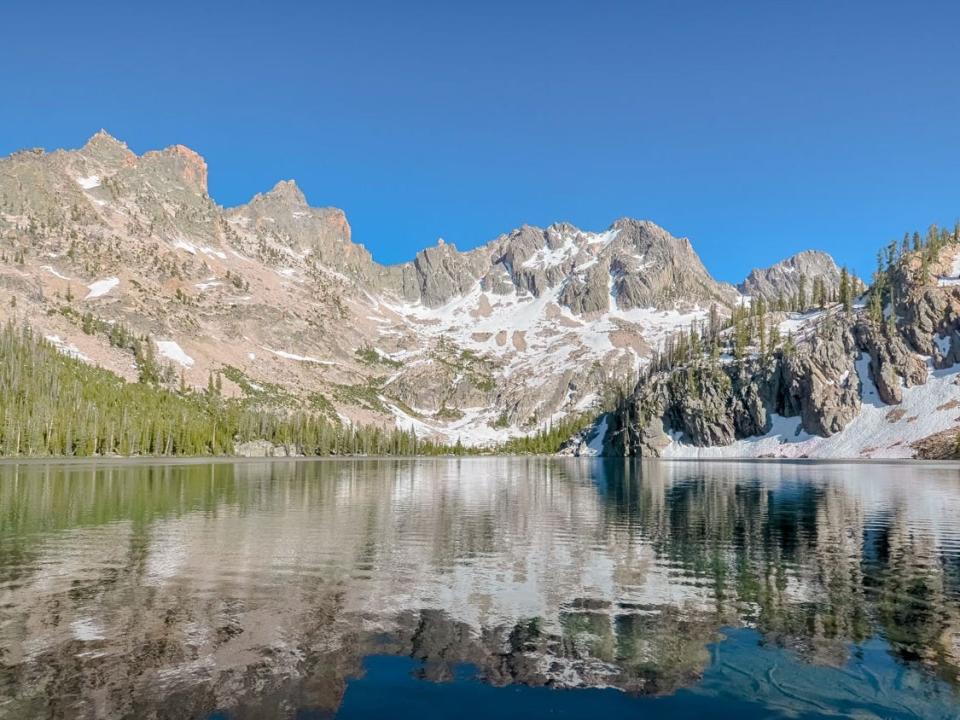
(846, 295)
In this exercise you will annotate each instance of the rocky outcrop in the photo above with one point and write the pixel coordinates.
(264, 449)
(710, 403)
(822, 378)
(283, 215)
(820, 381)
(893, 364)
(943, 445)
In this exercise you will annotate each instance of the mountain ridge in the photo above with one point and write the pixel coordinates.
(481, 345)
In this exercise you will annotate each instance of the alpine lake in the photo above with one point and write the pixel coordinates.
(501, 587)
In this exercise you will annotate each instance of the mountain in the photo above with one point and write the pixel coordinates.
(787, 278)
(276, 298)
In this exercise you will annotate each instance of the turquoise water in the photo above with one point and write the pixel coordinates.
(512, 587)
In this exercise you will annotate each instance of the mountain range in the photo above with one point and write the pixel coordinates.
(277, 301)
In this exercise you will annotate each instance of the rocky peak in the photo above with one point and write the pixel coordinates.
(285, 192)
(783, 278)
(106, 149)
(660, 270)
(181, 163)
(284, 214)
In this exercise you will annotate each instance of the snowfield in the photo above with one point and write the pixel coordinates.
(538, 333)
(172, 351)
(101, 287)
(879, 431)
(88, 183)
(474, 429)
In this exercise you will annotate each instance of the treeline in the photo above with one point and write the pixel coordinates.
(51, 404)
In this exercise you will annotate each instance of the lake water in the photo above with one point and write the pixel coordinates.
(469, 588)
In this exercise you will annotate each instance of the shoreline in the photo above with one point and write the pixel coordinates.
(230, 459)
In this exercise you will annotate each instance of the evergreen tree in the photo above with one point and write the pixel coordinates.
(846, 294)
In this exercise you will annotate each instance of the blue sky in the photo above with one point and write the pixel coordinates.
(757, 129)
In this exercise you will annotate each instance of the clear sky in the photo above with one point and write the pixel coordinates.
(757, 129)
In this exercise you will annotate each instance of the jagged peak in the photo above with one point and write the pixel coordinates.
(624, 222)
(185, 162)
(803, 260)
(806, 256)
(105, 147)
(102, 136)
(288, 191)
(784, 277)
(285, 192)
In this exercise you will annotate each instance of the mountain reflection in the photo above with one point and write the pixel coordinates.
(256, 589)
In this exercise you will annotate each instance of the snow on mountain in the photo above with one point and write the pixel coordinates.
(172, 351)
(101, 287)
(480, 345)
(878, 431)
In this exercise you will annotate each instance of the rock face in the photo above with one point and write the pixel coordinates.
(264, 448)
(841, 360)
(783, 278)
(708, 403)
(634, 264)
(820, 380)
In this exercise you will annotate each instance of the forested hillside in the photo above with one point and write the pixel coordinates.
(53, 404)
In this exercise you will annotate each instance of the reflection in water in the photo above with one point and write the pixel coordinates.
(260, 589)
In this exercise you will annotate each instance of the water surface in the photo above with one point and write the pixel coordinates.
(495, 587)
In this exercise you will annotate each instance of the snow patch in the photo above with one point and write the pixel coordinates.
(172, 351)
(66, 348)
(294, 356)
(210, 282)
(49, 269)
(595, 445)
(182, 244)
(101, 287)
(943, 344)
(216, 253)
(88, 183)
(954, 278)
